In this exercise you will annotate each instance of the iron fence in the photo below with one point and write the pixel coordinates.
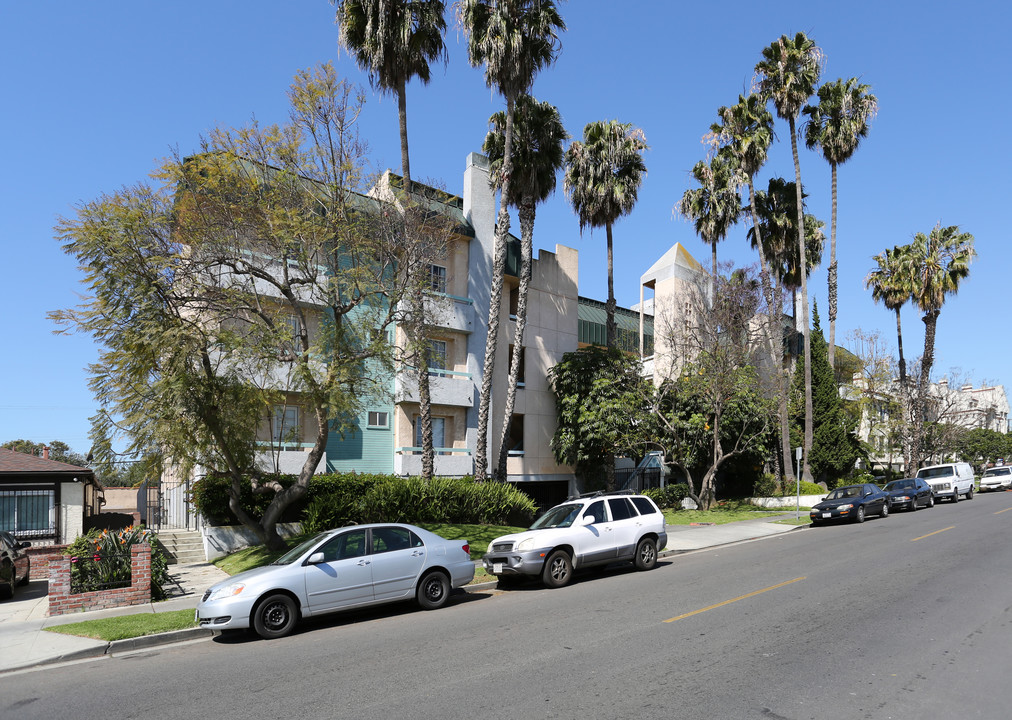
(28, 513)
(100, 571)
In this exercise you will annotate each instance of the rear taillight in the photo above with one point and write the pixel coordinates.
(467, 549)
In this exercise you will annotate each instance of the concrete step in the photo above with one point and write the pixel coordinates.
(183, 546)
(188, 557)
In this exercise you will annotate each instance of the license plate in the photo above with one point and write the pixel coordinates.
(827, 515)
(496, 568)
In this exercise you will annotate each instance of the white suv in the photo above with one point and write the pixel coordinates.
(594, 529)
(996, 478)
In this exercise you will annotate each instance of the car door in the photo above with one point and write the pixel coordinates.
(344, 576)
(398, 556)
(626, 526)
(594, 538)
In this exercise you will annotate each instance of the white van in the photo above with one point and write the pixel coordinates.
(949, 480)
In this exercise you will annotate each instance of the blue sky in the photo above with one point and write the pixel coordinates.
(96, 94)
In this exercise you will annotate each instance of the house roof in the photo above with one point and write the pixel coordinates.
(677, 261)
(16, 463)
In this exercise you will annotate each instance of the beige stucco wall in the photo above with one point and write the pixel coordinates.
(71, 511)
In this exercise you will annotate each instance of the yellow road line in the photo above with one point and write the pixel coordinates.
(934, 533)
(728, 602)
(1001, 511)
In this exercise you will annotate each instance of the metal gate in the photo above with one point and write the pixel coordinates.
(177, 509)
(149, 503)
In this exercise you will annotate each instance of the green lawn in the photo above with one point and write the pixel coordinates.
(128, 626)
(726, 512)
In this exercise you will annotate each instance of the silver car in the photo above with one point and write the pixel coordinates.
(339, 569)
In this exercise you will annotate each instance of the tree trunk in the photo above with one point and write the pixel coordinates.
(927, 361)
(495, 302)
(402, 119)
(611, 331)
(832, 279)
(526, 215)
(803, 272)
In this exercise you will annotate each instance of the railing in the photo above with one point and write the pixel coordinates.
(28, 513)
(89, 573)
(438, 451)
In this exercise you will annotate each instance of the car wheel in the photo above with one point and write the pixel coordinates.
(969, 493)
(646, 554)
(26, 579)
(931, 501)
(913, 504)
(558, 569)
(816, 523)
(433, 590)
(274, 617)
(885, 510)
(859, 517)
(955, 496)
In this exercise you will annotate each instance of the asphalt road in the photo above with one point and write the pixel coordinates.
(904, 617)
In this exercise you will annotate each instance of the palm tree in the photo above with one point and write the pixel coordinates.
(836, 125)
(714, 206)
(745, 132)
(537, 159)
(603, 176)
(514, 40)
(937, 263)
(394, 41)
(893, 288)
(787, 75)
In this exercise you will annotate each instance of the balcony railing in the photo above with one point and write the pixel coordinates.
(449, 462)
(446, 387)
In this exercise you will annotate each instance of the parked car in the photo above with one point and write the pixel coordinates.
(851, 502)
(949, 480)
(909, 493)
(996, 478)
(15, 565)
(584, 531)
(339, 569)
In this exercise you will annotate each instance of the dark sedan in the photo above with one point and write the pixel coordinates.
(910, 493)
(851, 502)
(15, 565)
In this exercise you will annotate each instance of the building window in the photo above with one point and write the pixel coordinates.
(28, 513)
(291, 346)
(285, 425)
(438, 432)
(520, 376)
(514, 302)
(515, 437)
(378, 419)
(437, 355)
(437, 278)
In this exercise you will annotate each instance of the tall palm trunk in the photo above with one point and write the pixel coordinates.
(418, 329)
(611, 331)
(905, 400)
(775, 338)
(899, 344)
(526, 214)
(930, 324)
(502, 227)
(803, 270)
(832, 277)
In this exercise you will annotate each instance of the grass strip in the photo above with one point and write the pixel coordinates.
(128, 626)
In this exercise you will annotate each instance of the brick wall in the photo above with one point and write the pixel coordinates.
(41, 556)
(61, 601)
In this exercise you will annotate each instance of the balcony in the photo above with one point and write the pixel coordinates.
(446, 387)
(448, 462)
(288, 459)
(450, 312)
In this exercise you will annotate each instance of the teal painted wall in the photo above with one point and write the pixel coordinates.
(364, 450)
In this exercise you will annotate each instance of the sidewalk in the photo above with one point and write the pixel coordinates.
(25, 643)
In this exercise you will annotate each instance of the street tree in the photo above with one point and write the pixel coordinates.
(787, 75)
(514, 40)
(537, 159)
(255, 274)
(836, 125)
(714, 206)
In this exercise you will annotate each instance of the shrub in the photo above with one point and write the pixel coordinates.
(767, 486)
(445, 500)
(668, 497)
(101, 558)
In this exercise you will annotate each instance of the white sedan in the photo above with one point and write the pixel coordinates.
(996, 478)
(336, 570)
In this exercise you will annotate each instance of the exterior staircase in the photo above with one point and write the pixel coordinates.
(183, 546)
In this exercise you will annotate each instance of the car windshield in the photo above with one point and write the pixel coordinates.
(991, 472)
(945, 471)
(901, 485)
(845, 492)
(561, 516)
(299, 550)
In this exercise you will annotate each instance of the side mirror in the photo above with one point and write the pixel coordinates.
(587, 520)
(315, 559)
(24, 544)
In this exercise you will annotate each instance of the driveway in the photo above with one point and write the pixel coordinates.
(30, 602)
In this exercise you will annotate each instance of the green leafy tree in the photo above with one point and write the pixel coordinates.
(787, 75)
(598, 393)
(514, 40)
(395, 40)
(537, 159)
(837, 125)
(602, 180)
(836, 447)
(982, 447)
(58, 451)
(249, 277)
